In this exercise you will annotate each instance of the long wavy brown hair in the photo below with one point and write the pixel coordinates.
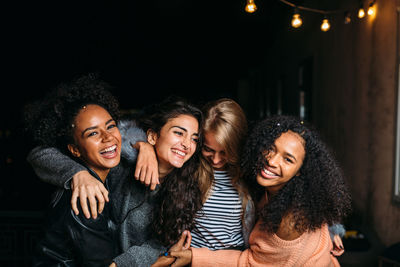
(179, 197)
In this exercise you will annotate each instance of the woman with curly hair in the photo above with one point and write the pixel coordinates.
(300, 190)
(84, 125)
(173, 130)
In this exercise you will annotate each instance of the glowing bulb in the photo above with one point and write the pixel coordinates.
(361, 13)
(371, 9)
(296, 21)
(250, 6)
(325, 26)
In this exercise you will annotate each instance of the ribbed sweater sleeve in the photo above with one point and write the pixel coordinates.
(310, 249)
(52, 166)
(137, 256)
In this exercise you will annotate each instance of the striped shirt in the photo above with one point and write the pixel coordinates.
(218, 224)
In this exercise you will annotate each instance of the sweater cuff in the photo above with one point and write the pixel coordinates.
(336, 229)
(120, 262)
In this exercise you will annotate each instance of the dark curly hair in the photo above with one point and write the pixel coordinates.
(50, 121)
(179, 197)
(317, 196)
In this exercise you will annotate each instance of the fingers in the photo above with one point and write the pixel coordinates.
(137, 171)
(83, 202)
(90, 191)
(183, 257)
(183, 242)
(147, 176)
(338, 242)
(338, 248)
(74, 199)
(337, 253)
(183, 238)
(188, 240)
(154, 181)
(146, 165)
(93, 205)
(142, 174)
(104, 193)
(101, 194)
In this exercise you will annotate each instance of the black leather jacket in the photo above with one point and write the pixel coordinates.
(72, 240)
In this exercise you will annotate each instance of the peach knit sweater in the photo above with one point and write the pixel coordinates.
(310, 249)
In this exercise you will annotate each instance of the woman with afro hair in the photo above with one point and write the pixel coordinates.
(300, 191)
(82, 124)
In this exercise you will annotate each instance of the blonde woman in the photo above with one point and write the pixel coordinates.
(227, 215)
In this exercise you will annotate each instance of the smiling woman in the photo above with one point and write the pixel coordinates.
(174, 127)
(176, 142)
(97, 140)
(283, 162)
(81, 119)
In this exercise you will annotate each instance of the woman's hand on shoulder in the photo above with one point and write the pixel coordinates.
(87, 188)
(146, 165)
(338, 248)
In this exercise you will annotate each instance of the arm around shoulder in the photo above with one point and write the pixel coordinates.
(52, 166)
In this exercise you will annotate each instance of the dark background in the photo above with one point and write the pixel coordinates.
(146, 49)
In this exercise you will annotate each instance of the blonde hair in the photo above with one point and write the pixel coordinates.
(225, 119)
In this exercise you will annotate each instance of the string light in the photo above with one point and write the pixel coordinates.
(325, 26)
(371, 9)
(296, 20)
(361, 12)
(250, 6)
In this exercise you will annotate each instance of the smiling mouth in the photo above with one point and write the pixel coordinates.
(109, 151)
(268, 174)
(178, 152)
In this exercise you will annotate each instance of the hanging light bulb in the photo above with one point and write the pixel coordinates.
(296, 20)
(325, 26)
(250, 6)
(347, 18)
(371, 9)
(361, 12)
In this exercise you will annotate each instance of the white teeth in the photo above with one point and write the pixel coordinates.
(111, 148)
(179, 152)
(269, 173)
